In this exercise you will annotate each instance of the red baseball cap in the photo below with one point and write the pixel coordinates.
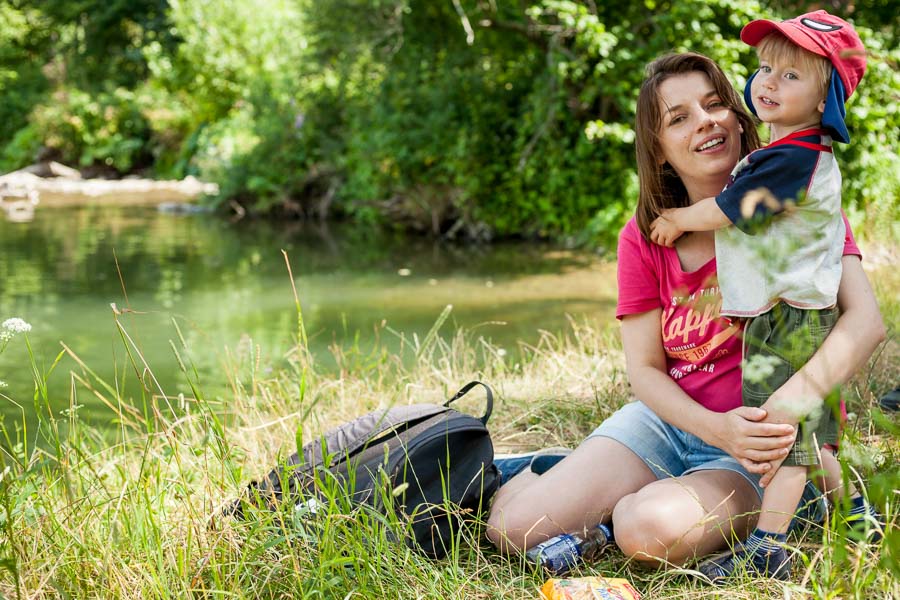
(820, 33)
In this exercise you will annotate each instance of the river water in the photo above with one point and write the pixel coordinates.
(221, 288)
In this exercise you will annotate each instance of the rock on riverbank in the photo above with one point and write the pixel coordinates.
(53, 184)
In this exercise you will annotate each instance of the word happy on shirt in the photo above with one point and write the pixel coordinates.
(686, 324)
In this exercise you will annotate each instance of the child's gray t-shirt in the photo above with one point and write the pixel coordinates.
(786, 245)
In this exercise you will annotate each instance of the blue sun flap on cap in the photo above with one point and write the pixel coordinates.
(833, 117)
(748, 98)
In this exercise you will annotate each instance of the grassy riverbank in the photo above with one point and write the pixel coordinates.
(84, 516)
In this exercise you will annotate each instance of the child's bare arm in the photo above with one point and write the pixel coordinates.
(664, 229)
(700, 216)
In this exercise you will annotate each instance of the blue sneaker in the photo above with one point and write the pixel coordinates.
(538, 462)
(511, 465)
(891, 400)
(740, 562)
(864, 521)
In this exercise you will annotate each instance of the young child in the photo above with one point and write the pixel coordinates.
(780, 265)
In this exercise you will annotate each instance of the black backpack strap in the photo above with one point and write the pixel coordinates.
(353, 436)
(466, 389)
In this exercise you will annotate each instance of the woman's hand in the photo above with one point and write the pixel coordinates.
(755, 443)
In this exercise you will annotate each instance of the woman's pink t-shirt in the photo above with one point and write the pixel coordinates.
(703, 350)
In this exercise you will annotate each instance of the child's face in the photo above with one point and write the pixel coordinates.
(787, 96)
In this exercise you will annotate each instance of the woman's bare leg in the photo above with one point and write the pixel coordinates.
(580, 491)
(674, 520)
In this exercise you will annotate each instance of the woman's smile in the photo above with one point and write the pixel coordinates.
(712, 144)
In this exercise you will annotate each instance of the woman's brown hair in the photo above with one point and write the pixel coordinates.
(660, 185)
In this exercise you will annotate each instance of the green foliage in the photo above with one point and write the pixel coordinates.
(107, 128)
(870, 163)
(68, 73)
(458, 116)
(241, 63)
(22, 41)
(497, 120)
(23, 148)
(544, 148)
(172, 130)
(97, 43)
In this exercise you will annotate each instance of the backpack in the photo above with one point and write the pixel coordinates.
(434, 462)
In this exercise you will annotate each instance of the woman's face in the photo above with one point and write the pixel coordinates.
(699, 136)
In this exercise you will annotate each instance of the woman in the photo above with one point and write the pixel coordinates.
(678, 473)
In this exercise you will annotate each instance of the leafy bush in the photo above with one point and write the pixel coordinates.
(495, 120)
(480, 118)
(870, 163)
(22, 85)
(103, 129)
(23, 149)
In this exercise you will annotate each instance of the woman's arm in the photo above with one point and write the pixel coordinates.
(847, 348)
(739, 432)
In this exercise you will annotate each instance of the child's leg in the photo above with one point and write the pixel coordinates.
(763, 552)
(781, 498)
(830, 481)
(776, 341)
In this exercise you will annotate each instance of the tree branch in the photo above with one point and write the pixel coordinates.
(470, 34)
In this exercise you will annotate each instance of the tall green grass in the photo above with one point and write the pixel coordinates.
(133, 510)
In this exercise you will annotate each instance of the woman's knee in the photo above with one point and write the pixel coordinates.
(649, 529)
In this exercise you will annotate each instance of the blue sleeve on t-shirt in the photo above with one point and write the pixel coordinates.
(785, 171)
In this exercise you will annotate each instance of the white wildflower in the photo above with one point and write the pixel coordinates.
(72, 411)
(10, 328)
(799, 407)
(16, 325)
(758, 368)
(857, 454)
(3, 384)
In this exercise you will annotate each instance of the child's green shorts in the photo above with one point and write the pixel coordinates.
(787, 337)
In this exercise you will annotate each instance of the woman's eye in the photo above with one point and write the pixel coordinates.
(676, 120)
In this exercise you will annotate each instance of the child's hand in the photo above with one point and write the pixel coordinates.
(663, 230)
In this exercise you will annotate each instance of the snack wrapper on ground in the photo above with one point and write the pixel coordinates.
(589, 588)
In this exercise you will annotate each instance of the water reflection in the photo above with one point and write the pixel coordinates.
(225, 284)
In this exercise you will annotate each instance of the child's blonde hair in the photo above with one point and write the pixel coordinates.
(777, 47)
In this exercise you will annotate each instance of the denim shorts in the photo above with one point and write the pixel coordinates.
(667, 450)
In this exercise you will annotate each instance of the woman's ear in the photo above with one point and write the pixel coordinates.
(740, 128)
